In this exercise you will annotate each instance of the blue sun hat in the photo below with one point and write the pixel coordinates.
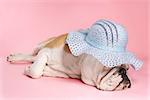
(106, 41)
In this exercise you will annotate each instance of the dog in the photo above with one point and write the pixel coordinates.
(96, 55)
(53, 58)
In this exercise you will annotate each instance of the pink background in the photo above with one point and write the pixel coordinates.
(24, 23)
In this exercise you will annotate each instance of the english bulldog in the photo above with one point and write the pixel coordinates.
(96, 55)
(53, 58)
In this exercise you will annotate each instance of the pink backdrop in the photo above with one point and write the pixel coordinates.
(24, 23)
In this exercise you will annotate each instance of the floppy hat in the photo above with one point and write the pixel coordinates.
(106, 41)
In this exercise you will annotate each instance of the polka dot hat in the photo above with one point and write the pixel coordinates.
(106, 41)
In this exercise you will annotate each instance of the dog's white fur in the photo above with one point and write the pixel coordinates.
(56, 62)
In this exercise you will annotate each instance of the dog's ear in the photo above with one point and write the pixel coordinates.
(66, 49)
(125, 66)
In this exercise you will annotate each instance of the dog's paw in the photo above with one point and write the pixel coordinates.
(115, 79)
(31, 73)
(110, 83)
(11, 58)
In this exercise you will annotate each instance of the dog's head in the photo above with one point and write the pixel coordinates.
(105, 78)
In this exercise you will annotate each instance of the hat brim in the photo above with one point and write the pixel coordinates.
(78, 45)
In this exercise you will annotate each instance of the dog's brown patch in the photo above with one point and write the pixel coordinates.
(66, 48)
(58, 41)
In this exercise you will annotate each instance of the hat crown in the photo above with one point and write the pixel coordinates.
(107, 35)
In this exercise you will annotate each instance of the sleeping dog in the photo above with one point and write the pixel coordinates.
(55, 58)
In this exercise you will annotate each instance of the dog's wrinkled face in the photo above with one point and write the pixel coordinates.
(114, 79)
(105, 78)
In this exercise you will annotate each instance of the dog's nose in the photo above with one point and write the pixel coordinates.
(122, 70)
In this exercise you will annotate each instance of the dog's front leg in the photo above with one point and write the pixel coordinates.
(108, 80)
(36, 69)
(113, 79)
